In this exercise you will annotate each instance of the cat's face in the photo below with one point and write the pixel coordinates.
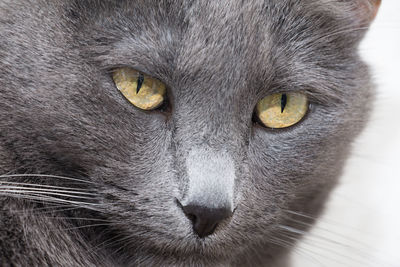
(62, 114)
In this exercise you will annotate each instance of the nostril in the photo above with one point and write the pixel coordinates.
(191, 217)
(205, 219)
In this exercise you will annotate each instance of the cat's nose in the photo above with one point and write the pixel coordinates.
(206, 219)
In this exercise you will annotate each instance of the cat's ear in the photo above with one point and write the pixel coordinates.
(357, 13)
(367, 10)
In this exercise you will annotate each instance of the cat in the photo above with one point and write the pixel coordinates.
(204, 178)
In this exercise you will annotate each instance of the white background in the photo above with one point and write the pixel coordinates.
(361, 226)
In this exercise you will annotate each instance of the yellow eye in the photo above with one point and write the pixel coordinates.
(141, 90)
(282, 110)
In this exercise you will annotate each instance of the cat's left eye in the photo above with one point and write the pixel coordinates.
(141, 90)
(282, 110)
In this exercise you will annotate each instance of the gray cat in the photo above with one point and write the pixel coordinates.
(173, 133)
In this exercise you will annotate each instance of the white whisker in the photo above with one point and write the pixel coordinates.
(45, 190)
(329, 231)
(48, 199)
(40, 192)
(110, 242)
(325, 244)
(42, 185)
(79, 218)
(299, 251)
(85, 226)
(46, 176)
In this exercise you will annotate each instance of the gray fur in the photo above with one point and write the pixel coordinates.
(211, 179)
(60, 114)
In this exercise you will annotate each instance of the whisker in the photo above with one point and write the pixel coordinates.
(336, 256)
(46, 176)
(45, 190)
(329, 231)
(326, 221)
(300, 214)
(55, 209)
(40, 192)
(50, 199)
(78, 219)
(49, 208)
(108, 242)
(42, 185)
(297, 250)
(311, 240)
(122, 246)
(86, 226)
(111, 241)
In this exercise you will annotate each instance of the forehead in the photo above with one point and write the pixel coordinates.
(223, 27)
(207, 40)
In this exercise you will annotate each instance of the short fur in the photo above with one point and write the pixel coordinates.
(60, 114)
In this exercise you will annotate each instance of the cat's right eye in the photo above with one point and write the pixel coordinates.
(141, 90)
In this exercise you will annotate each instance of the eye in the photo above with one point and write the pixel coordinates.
(141, 90)
(282, 110)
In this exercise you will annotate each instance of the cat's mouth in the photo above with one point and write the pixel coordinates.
(176, 237)
(212, 250)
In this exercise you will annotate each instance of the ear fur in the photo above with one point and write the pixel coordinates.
(368, 9)
(374, 5)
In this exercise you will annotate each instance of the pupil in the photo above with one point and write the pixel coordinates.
(283, 102)
(139, 82)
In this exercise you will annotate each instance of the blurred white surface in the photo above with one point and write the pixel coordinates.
(361, 226)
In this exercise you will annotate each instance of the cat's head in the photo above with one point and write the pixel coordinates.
(203, 161)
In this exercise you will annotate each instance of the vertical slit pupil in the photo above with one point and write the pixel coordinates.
(139, 82)
(283, 102)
